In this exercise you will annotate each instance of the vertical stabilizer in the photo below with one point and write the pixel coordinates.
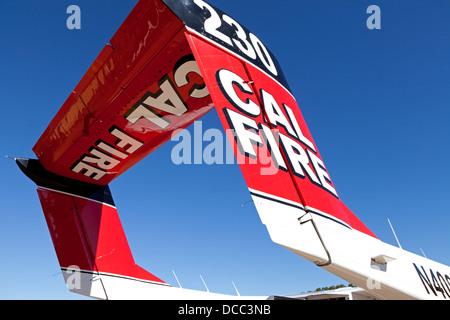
(85, 228)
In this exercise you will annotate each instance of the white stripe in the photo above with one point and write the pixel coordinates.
(75, 195)
(96, 273)
(307, 208)
(276, 197)
(317, 211)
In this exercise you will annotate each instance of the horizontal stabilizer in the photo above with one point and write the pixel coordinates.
(142, 87)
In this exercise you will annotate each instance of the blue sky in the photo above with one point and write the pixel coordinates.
(376, 102)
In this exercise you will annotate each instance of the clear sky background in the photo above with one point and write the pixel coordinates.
(377, 103)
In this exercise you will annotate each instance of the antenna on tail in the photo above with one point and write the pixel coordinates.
(394, 234)
(179, 284)
(235, 288)
(207, 290)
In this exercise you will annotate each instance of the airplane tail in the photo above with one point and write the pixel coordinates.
(170, 63)
(87, 235)
(281, 164)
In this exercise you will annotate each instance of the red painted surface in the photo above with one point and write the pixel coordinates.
(307, 190)
(143, 52)
(137, 93)
(89, 235)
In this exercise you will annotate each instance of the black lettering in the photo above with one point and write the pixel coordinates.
(425, 280)
(436, 284)
(444, 285)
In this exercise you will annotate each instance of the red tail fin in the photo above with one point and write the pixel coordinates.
(168, 64)
(281, 159)
(86, 231)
